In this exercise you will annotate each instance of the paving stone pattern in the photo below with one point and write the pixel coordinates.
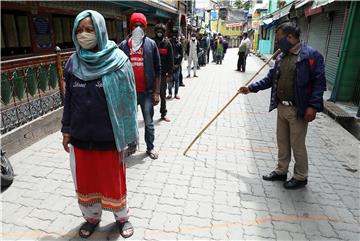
(216, 192)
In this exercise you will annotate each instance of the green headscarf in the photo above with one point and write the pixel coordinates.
(115, 70)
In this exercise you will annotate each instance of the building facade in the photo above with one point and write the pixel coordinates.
(36, 27)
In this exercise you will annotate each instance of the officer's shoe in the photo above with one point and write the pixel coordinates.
(273, 176)
(295, 184)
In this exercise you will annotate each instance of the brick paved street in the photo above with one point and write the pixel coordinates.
(216, 192)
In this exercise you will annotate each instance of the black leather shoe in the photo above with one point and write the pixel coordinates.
(295, 184)
(273, 176)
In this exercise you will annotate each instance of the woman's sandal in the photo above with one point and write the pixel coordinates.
(87, 229)
(126, 229)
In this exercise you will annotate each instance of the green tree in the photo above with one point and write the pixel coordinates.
(242, 4)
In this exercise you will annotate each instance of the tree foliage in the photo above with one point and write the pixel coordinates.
(242, 4)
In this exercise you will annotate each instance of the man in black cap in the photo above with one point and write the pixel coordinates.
(167, 65)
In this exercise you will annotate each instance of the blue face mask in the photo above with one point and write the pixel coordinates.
(284, 45)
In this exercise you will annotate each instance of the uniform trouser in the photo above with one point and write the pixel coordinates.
(291, 134)
(163, 87)
(190, 60)
(241, 61)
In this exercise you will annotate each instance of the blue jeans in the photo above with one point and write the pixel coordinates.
(147, 109)
(176, 75)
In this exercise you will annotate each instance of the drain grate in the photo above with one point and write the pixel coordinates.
(335, 111)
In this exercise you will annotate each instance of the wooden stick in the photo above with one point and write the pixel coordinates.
(228, 103)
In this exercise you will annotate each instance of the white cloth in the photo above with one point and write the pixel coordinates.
(137, 38)
(247, 42)
(94, 211)
(193, 49)
(195, 60)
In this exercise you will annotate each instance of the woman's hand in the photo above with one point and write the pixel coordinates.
(66, 142)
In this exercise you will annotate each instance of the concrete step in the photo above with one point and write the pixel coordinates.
(346, 119)
(334, 111)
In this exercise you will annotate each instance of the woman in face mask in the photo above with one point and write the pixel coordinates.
(99, 121)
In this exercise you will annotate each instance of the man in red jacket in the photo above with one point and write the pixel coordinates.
(144, 56)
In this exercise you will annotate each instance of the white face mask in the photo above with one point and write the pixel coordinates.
(137, 38)
(87, 40)
(159, 34)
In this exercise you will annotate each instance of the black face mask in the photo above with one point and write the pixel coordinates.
(284, 45)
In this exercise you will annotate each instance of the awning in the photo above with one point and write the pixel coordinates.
(268, 21)
(148, 8)
(160, 5)
(302, 3)
(320, 3)
(309, 11)
(282, 12)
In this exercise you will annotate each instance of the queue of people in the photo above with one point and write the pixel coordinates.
(105, 83)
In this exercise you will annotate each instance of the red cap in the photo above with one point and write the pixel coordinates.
(137, 18)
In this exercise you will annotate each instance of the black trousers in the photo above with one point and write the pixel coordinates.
(181, 76)
(163, 87)
(241, 64)
(208, 55)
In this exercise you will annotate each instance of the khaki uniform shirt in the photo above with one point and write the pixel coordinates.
(285, 89)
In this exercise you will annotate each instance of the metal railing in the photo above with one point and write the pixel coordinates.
(30, 88)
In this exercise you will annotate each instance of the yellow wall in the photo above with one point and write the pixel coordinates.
(223, 30)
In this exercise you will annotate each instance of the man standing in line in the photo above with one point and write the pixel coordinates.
(212, 46)
(145, 59)
(297, 83)
(244, 50)
(192, 50)
(208, 47)
(167, 65)
(226, 46)
(183, 46)
(178, 55)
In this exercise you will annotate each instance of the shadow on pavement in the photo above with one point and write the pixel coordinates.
(136, 159)
(157, 122)
(107, 232)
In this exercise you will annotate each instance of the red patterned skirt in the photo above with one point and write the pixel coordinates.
(100, 178)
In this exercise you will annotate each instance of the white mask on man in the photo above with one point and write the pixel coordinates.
(87, 40)
(137, 38)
